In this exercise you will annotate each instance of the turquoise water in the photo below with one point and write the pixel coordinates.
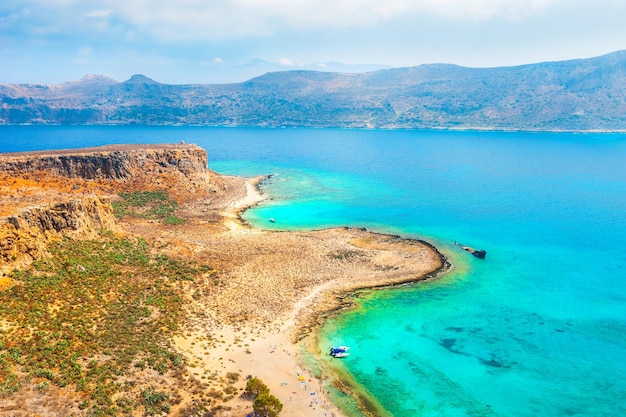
(538, 328)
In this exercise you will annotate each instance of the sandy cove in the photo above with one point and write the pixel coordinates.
(274, 289)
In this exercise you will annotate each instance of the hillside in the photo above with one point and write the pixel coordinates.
(576, 95)
(49, 194)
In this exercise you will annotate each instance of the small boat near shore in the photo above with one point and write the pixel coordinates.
(339, 351)
(479, 253)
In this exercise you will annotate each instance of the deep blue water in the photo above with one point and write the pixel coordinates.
(537, 328)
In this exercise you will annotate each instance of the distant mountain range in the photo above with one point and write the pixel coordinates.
(575, 95)
(256, 67)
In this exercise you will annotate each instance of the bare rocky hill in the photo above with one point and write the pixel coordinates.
(575, 95)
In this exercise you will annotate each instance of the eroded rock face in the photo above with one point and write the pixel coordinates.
(26, 235)
(110, 162)
(73, 191)
(75, 215)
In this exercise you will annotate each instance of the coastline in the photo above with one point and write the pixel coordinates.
(266, 353)
(475, 296)
(263, 296)
(277, 353)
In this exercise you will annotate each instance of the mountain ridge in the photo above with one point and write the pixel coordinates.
(575, 95)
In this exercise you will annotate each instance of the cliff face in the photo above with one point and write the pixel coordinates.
(152, 166)
(25, 236)
(47, 195)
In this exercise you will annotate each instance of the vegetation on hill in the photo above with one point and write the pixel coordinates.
(93, 317)
(148, 205)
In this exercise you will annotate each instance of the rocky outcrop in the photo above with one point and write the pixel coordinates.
(75, 187)
(121, 162)
(25, 236)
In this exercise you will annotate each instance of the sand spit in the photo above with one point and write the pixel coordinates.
(275, 288)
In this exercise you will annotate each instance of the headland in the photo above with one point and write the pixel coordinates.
(243, 298)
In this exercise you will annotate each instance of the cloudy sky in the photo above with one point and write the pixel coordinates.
(216, 41)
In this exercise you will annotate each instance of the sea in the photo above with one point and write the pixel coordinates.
(537, 328)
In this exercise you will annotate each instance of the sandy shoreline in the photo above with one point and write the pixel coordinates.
(268, 348)
(266, 352)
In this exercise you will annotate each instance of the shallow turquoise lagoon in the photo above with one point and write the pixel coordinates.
(537, 328)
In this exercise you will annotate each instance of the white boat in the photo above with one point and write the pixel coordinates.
(339, 351)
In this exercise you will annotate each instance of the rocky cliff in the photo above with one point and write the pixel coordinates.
(25, 235)
(47, 195)
(149, 165)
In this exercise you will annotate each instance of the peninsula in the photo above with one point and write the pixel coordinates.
(129, 284)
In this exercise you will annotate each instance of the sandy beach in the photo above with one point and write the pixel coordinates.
(277, 286)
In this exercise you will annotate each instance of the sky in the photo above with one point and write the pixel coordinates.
(222, 41)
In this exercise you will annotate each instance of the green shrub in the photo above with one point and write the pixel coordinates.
(104, 292)
(255, 387)
(155, 402)
(266, 405)
(149, 205)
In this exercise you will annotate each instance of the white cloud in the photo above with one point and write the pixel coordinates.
(85, 51)
(99, 13)
(82, 55)
(193, 35)
(218, 19)
(233, 18)
(480, 10)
